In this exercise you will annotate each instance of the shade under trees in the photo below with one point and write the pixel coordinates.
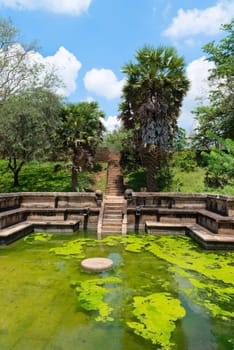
(152, 96)
(29, 121)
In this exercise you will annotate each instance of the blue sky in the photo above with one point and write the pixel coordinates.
(90, 40)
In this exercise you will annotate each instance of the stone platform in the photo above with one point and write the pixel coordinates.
(97, 264)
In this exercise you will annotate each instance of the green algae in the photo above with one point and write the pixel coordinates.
(72, 248)
(111, 241)
(209, 275)
(151, 268)
(157, 315)
(91, 295)
(208, 294)
(182, 252)
(40, 236)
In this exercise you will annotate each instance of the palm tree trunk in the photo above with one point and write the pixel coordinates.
(151, 160)
(75, 165)
(74, 178)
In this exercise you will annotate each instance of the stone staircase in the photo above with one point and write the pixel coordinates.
(111, 218)
(112, 215)
(114, 176)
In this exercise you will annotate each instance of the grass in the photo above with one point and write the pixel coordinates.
(45, 177)
(193, 182)
(54, 176)
(100, 178)
(182, 181)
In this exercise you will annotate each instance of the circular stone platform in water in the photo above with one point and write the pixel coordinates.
(97, 264)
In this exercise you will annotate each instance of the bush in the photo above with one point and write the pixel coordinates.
(185, 160)
(220, 165)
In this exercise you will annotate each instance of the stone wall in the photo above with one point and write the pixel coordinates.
(213, 212)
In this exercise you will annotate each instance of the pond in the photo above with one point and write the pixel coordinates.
(164, 292)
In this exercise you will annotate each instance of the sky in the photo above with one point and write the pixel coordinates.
(89, 41)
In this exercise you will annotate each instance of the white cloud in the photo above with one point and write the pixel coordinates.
(72, 7)
(67, 67)
(197, 72)
(195, 21)
(103, 82)
(63, 64)
(111, 123)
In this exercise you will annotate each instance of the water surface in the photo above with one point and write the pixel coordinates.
(163, 293)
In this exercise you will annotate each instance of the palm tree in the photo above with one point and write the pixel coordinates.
(81, 132)
(151, 102)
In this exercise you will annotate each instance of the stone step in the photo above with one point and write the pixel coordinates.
(113, 209)
(117, 211)
(112, 216)
(114, 203)
(14, 232)
(111, 223)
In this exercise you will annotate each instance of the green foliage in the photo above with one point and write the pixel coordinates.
(163, 177)
(27, 99)
(185, 160)
(219, 116)
(151, 101)
(18, 71)
(180, 140)
(136, 179)
(41, 177)
(116, 140)
(186, 176)
(29, 129)
(157, 314)
(220, 165)
(203, 138)
(91, 296)
(188, 181)
(80, 133)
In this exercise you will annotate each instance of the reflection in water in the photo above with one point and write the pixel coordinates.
(196, 324)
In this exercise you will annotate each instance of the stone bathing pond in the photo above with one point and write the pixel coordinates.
(164, 292)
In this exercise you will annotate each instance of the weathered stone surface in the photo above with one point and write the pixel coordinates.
(97, 264)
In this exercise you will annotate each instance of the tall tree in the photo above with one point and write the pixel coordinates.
(220, 112)
(151, 102)
(19, 70)
(28, 125)
(80, 133)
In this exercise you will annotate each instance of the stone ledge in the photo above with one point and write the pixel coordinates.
(206, 238)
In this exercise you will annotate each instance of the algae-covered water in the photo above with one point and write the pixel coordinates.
(163, 293)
